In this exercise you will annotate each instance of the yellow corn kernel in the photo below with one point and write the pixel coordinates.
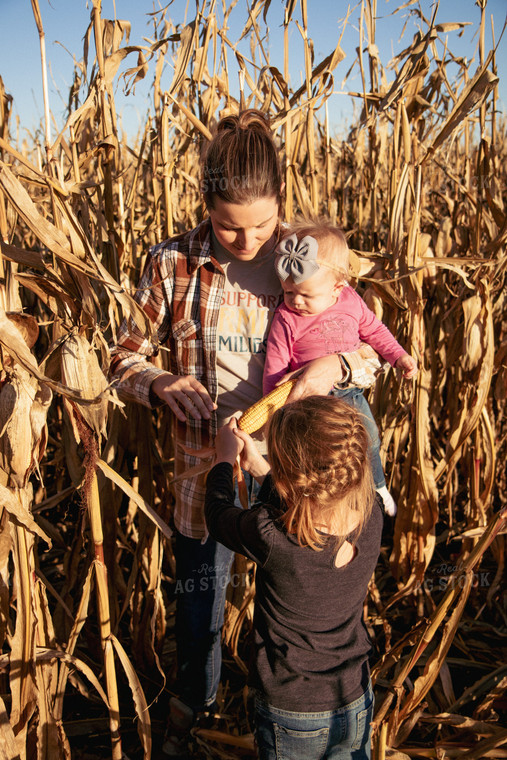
(259, 413)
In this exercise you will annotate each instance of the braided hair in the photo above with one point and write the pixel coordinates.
(318, 451)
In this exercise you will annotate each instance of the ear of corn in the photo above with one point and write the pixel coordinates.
(259, 413)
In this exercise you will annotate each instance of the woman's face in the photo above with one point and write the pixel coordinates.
(245, 230)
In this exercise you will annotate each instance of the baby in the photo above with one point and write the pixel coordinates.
(321, 314)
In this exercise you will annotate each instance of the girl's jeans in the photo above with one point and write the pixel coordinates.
(355, 397)
(342, 734)
(202, 577)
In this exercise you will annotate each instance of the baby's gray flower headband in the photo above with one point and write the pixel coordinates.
(297, 258)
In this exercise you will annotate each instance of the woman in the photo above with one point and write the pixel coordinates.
(210, 294)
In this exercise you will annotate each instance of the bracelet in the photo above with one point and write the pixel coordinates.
(346, 373)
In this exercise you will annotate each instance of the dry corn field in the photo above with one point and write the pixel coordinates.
(418, 182)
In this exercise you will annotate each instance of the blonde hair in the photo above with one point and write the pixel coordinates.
(318, 451)
(333, 249)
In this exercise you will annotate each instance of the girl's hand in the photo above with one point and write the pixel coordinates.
(187, 392)
(251, 459)
(408, 366)
(316, 378)
(227, 445)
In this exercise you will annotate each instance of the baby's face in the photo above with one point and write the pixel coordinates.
(314, 295)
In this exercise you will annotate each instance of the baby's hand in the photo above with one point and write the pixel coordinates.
(408, 366)
(227, 445)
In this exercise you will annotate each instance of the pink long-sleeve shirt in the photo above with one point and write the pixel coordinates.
(296, 339)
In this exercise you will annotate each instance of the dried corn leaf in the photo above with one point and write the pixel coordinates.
(482, 749)
(5, 579)
(426, 469)
(113, 61)
(496, 693)
(144, 724)
(474, 397)
(42, 654)
(464, 722)
(191, 117)
(395, 754)
(239, 595)
(415, 67)
(434, 663)
(79, 621)
(484, 685)
(8, 745)
(374, 302)
(33, 259)
(22, 644)
(454, 586)
(16, 445)
(23, 411)
(443, 245)
(51, 739)
(188, 41)
(135, 497)
(56, 241)
(244, 743)
(50, 236)
(12, 338)
(80, 369)
(470, 99)
(26, 325)
(52, 295)
(16, 505)
(324, 67)
(473, 337)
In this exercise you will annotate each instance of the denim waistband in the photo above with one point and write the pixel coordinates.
(365, 699)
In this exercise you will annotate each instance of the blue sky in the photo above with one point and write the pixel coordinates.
(65, 23)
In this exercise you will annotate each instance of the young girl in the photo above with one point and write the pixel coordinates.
(315, 537)
(322, 315)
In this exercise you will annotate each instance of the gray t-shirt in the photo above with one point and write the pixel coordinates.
(252, 292)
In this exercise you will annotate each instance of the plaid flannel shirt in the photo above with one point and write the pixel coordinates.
(180, 291)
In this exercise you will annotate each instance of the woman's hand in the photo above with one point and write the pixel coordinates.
(316, 378)
(187, 392)
(251, 459)
(227, 445)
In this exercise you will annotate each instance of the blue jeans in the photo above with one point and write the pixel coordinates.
(355, 397)
(202, 577)
(342, 734)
